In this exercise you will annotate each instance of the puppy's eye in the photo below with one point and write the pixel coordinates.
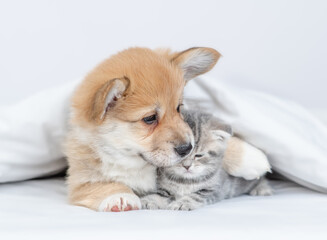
(198, 155)
(179, 107)
(150, 119)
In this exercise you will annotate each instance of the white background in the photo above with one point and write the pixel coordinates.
(274, 46)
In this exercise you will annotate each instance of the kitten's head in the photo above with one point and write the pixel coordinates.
(211, 136)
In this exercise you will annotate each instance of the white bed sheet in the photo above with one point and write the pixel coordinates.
(38, 209)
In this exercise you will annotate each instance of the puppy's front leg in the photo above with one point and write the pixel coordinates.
(244, 160)
(104, 197)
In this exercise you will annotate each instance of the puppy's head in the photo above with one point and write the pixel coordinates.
(131, 103)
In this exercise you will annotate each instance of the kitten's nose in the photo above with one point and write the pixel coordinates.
(187, 167)
(183, 150)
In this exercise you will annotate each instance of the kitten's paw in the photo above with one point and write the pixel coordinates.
(180, 205)
(148, 203)
(261, 192)
(120, 202)
(262, 189)
(253, 164)
(154, 201)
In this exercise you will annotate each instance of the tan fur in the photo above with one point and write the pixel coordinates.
(100, 162)
(179, 57)
(233, 154)
(132, 63)
(90, 195)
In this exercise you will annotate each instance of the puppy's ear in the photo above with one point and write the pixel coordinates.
(196, 61)
(107, 97)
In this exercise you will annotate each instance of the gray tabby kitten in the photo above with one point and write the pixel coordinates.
(200, 179)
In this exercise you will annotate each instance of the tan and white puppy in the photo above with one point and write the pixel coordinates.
(125, 122)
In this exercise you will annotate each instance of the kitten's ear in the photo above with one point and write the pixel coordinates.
(221, 135)
(222, 132)
(195, 61)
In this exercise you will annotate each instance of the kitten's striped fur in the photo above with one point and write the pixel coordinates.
(205, 181)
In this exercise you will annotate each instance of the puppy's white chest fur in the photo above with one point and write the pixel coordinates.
(129, 169)
(122, 164)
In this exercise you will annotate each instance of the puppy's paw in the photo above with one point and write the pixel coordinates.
(120, 202)
(252, 165)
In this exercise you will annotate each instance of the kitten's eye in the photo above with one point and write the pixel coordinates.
(198, 155)
(179, 107)
(150, 119)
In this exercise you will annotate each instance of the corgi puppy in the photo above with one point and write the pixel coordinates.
(125, 122)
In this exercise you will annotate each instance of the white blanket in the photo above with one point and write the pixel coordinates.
(38, 209)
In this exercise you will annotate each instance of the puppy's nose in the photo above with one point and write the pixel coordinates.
(183, 150)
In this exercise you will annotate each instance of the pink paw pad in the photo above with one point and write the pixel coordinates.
(120, 203)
